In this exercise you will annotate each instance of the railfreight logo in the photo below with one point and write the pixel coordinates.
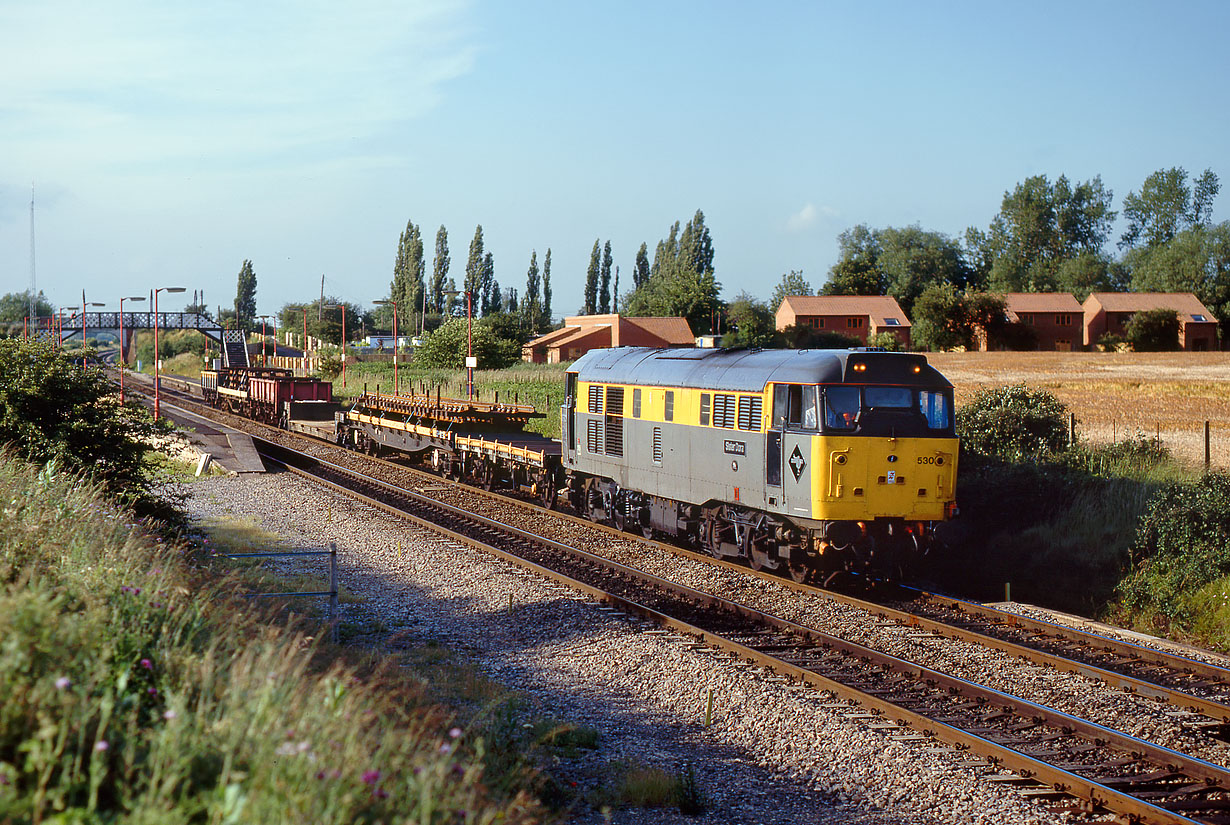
(797, 464)
(735, 447)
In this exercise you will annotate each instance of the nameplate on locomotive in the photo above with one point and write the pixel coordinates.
(735, 447)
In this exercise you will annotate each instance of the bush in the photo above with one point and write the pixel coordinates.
(1153, 330)
(1182, 544)
(1014, 423)
(1110, 342)
(886, 340)
(446, 347)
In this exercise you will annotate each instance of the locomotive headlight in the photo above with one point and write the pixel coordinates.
(860, 367)
(917, 368)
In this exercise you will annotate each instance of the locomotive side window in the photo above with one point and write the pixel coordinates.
(841, 406)
(781, 402)
(636, 403)
(669, 414)
(704, 408)
(811, 419)
(935, 408)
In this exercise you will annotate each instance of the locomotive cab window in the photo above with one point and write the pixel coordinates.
(888, 397)
(794, 406)
(841, 406)
(936, 408)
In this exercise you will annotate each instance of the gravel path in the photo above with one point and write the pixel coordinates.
(773, 754)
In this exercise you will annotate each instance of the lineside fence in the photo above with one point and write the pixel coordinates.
(331, 592)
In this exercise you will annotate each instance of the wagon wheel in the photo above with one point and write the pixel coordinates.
(485, 474)
(546, 489)
(801, 572)
(619, 519)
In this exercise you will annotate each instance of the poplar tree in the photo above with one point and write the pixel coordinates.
(408, 286)
(439, 270)
(488, 288)
(604, 293)
(474, 266)
(545, 319)
(591, 282)
(531, 306)
(245, 296)
(640, 272)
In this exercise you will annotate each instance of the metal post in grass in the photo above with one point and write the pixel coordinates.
(1208, 454)
(1072, 430)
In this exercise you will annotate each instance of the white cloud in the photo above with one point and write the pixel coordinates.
(806, 217)
(147, 86)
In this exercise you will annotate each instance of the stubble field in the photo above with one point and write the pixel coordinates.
(1116, 395)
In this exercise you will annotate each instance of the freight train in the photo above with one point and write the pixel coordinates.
(805, 462)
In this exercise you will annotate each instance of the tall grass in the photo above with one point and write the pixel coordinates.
(136, 691)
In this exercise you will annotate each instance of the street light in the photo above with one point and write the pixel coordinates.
(83, 306)
(123, 359)
(471, 361)
(157, 385)
(394, 304)
(342, 307)
(264, 340)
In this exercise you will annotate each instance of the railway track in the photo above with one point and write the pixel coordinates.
(1176, 781)
(1089, 766)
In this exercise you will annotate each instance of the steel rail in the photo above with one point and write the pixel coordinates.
(1175, 697)
(1068, 782)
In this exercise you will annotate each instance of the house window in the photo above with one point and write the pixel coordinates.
(855, 323)
(1063, 320)
(1026, 318)
(1199, 318)
(892, 322)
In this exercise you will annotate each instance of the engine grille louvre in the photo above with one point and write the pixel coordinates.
(593, 435)
(724, 411)
(657, 445)
(595, 398)
(749, 412)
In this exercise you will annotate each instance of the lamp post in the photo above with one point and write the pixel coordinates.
(305, 339)
(83, 306)
(157, 385)
(264, 340)
(394, 304)
(342, 307)
(471, 361)
(123, 359)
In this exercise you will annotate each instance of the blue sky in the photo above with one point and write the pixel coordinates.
(169, 142)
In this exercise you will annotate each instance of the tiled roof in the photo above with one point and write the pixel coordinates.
(1184, 303)
(880, 308)
(671, 330)
(1017, 302)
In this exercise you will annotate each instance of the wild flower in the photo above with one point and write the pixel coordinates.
(454, 732)
(152, 691)
(147, 664)
(169, 715)
(380, 793)
(371, 777)
(101, 745)
(446, 748)
(63, 682)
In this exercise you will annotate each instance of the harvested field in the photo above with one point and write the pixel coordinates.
(1114, 395)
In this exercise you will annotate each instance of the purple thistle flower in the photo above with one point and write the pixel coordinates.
(380, 793)
(152, 691)
(455, 732)
(63, 682)
(371, 777)
(147, 664)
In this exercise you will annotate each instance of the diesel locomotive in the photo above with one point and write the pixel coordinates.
(803, 461)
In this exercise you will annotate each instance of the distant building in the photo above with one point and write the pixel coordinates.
(581, 333)
(386, 341)
(1109, 312)
(855, 316)
(1056, 318)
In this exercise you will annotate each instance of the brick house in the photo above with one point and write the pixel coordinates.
(581, 333)
(1109, 312)
(1056, 318)
(856, 316)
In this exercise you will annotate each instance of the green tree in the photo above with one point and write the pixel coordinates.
(792, 283)
(604, 280)
(912, 258)
(407, 288)
(531, 306)
(245, 296)
(545, 321)
(446, 347)
(750, 323)
(940, 320)
(439, 270)
(489, 288)
(53, 411)
(474, 269)
(857, 271)
(1089, 272)
(15, 307)
(1197, 260)
(1040, 225)
(1166, 206)
(640, 271)
(682, 281)
(1153, 330)
(591, 282)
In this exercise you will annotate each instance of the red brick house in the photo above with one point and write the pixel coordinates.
(1109, 312)
(581, 333)
(856, 316)
(1056, 318)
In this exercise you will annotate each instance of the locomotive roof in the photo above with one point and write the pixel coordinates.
(747, 370)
